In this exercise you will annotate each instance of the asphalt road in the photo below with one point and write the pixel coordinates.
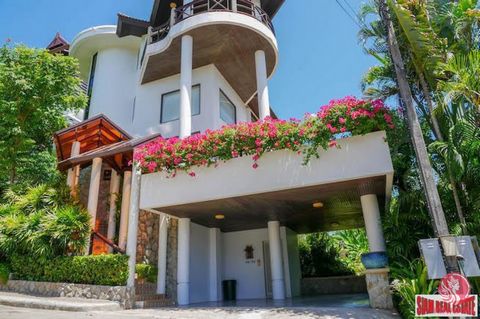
(203, 313)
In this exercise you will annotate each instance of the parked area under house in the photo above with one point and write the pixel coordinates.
(232, 222)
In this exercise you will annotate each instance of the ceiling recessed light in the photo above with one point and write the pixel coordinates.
(317, 204)
(219, 216)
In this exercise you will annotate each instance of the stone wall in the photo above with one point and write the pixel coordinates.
(379, 291)
(119, 294)
(171, 284)
(333, 285)
(147, 240)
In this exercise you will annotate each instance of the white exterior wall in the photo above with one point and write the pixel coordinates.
(199, 263)
(250, 274)
(149, 98)
(114, 85)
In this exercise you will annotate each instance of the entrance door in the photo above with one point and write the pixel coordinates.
(267, 269)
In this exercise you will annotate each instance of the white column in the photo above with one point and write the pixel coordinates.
(373, 222)
(186, 86)
(94, 189)
(215, 266)
(114, 189)
(183, 262)
(162, 253)
(126, 190)
(133, 224)
(262, 85)
(276, 262)
(71, 174)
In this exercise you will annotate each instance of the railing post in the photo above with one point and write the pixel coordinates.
(234, 5)
(173, 6)
(149, 34)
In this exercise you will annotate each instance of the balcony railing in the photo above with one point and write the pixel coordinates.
(195, 7)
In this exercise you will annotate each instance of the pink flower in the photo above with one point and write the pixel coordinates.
(332, 143)
(341, 120)
(192, 174)
(255, 165)
(343, 129)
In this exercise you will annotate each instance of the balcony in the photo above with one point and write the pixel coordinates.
(202, 6)
(226, 33)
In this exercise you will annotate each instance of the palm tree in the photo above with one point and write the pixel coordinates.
(426, 172)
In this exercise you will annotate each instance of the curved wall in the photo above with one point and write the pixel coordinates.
(114, 84)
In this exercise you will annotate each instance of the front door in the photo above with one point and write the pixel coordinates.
(267, 269)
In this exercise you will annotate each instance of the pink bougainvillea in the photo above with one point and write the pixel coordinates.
(340, 118)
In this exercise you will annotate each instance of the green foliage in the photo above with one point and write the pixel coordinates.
(109, 270)
(319, 256)
(146, 272)
(36, 89)
(411, 280)
(42, 222)
(351, 244)
(4, 273)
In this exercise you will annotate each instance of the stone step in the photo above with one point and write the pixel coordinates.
(145, 297)
(145, 288)
(154, 303)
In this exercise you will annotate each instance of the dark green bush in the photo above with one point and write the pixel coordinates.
(109, 270)
(146, 272)
(4, 273)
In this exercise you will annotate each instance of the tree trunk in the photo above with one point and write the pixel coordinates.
(439, 136)
(426, 172)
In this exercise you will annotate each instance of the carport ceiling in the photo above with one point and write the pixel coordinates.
(293, 208)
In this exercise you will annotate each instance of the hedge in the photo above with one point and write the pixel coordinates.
(147, 272)
(108, 270)
(4, 273)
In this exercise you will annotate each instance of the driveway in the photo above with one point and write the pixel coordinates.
(203, 313)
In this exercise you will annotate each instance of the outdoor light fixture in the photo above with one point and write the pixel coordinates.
(219, 216)
(334, 224)
(317, 204)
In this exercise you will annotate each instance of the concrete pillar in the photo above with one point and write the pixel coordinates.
(114, 189)
(162, 253)
(276, 262)
(186, 86)
(133, 225)
(94, 189)
(183, 262)
(72, 174)
(126, 190)
(373, 223)
(262, 84)
(215, 266)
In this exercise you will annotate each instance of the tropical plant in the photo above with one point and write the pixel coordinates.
(42, 222)
(351, 244)
(412, 279)
(146, 272)
(4, 273)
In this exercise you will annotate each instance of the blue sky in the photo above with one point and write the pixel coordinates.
(320, 57)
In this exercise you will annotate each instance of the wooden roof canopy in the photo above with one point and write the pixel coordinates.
(93, 134)
(161, 13)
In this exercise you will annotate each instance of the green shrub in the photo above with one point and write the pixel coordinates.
(146, 272)
(109, 270)
(4, 273)
(43, 222)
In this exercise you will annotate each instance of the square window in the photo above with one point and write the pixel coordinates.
(170, 110)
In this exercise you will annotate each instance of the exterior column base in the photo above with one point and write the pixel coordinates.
(183, 293)
(278, 288)
(378, 288)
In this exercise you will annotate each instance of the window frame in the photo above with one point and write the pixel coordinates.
(174, 91)
(220, 105)
(91, 79)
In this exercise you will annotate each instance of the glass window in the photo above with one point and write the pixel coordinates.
(171, 104)
(227, 110)
(90, 85)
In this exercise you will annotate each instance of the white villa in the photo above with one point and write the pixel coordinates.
(198, 65)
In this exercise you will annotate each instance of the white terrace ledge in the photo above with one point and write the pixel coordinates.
(358, 157)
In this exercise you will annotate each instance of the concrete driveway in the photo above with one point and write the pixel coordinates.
(203, 313)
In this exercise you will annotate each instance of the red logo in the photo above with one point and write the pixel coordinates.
(454, 288)
(454, 299)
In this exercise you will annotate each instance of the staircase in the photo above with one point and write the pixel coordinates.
(146, 297)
